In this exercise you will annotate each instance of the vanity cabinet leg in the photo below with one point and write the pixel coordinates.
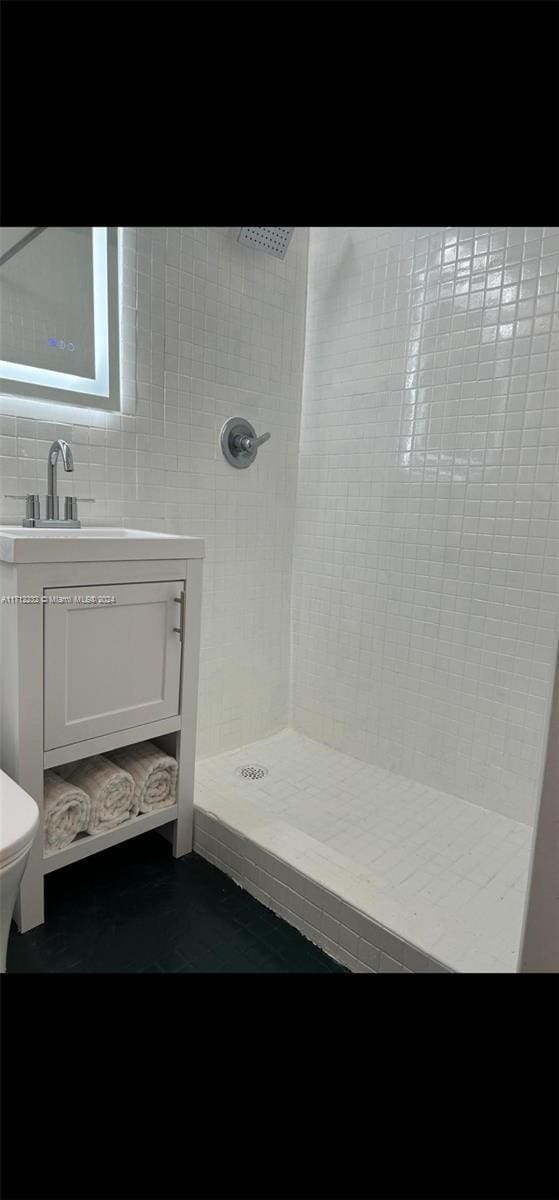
(186, 739)
(182, 828)
(182, 835)
(30, 907)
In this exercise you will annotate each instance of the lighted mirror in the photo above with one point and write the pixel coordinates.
(59, 320)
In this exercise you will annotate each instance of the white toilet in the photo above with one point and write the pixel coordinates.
(19, 821)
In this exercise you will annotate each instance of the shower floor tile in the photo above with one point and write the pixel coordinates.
(445, 875)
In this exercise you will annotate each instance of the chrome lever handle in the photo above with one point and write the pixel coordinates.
(251, 443)
(32, 504)
(264, 437)
(71, 506)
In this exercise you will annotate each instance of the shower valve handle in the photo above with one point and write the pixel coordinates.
(251, 443)
(239, 442)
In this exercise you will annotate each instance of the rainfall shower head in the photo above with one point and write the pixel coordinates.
(273, 239)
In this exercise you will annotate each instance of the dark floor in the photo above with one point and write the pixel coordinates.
(135, 908)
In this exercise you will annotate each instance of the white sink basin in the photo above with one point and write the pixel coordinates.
(93, 544)
(91, 531)
(97, 532)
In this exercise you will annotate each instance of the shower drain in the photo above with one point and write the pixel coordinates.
(251, 772)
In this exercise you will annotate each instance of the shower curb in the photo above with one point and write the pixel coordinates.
(350, 936)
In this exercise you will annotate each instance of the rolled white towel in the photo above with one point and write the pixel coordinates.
(67, 811)
(110, 789)
(154, 774)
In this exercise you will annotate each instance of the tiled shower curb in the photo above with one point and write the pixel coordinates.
(348, 935)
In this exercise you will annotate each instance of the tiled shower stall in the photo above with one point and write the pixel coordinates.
(381, 603)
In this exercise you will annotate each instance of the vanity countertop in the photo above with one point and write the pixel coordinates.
(93, 544)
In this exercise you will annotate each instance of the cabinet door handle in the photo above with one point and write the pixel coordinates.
(180, 628)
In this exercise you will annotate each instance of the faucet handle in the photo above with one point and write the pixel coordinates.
(71, 506)
(32, 504)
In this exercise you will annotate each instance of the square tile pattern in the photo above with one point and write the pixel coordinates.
(384, 873)
(210, 330)
(134, 908)
(396, 542)
(426, 561)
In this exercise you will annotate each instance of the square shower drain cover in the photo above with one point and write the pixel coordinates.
(254, 771)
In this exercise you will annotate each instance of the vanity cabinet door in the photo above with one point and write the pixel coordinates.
(112, 658)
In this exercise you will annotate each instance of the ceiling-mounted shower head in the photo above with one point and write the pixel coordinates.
(273, 239)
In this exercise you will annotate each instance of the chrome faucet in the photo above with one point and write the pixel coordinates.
(32, 500)
(58, 447)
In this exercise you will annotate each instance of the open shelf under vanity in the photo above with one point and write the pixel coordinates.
(91, 843)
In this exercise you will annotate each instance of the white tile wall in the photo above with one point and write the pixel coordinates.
(425, 585)
(425, 589)
(426, 581)
(349, 851)
(220, 334)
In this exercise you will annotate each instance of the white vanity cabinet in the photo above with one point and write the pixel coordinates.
(99, 648)
(112, 658)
